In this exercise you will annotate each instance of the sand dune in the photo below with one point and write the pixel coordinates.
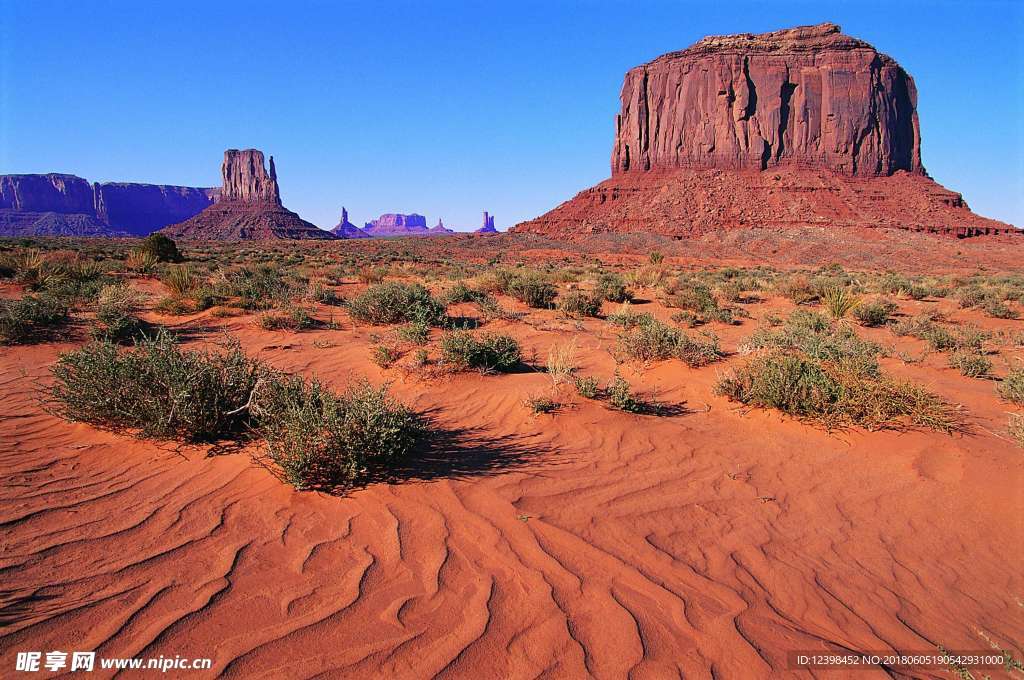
(591, 543)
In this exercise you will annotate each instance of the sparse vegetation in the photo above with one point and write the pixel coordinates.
(394, 302)
(1012, 387)
(116, 308)
(875, 312)
(486, 353)
(159, 247)
(33, 318)
(578, 303)
(833, 394)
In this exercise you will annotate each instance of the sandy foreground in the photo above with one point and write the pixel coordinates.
(588, 543)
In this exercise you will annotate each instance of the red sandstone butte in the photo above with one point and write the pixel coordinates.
(799, 127)
(248, 207)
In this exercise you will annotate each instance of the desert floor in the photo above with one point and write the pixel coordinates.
(585, 543)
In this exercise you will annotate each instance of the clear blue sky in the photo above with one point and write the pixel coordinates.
(446, 109)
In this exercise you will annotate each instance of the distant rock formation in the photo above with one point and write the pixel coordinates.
(803, 126)
(249, 206)
(66, 205)
(488, 225)
(397, 224)
(439, 229)
(345, 229)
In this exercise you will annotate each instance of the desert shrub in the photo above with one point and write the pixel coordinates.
(491, 309)
(892, 283)
(654, 340)
(612, 287)
(874, 313)
(812, 334)
(259, 286)
(533, 290)
(323, 440)
(586, 387)
(394, 302)
(627, 318)
(1012, 387)
(971, 296)
(318, 291)
(486, 353)
(33, 318)
(691, 295)
(838, 301)
(997, 309)
(655, 257)
(799, 290)
(578, 303)
(542, 403)
(461, 292)
(384, 355)
(920, 292)
(372, 275)
(161, 247)
(969, 363)
(182, 280)
(731, 291)
(141, 262)
(1015, 428)
(157, 388)
(561, 362)
(620, 396)
(292, 318)
(416, 332)
(116, 308)
(827, 393)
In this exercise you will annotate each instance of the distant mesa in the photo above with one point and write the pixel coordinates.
(488, 225)
(799, 127)
(249, 206)
(345, 229)
(67, 205)
(397, 224)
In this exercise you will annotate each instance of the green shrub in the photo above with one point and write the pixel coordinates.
(182, 280)
(1015, 428)
(620, 396)
(578, 303)
(486, 353)
(461, 292)
(322, 440)
(384, 355)
(161, 247)
(654, 341)
(826, 392)
(874, 313)
(542, 404)
(116, 309)
(1012, 387)
(839, 301)
(293, 318)
(256, 286)
(318, 291)
(813, 335)
(627, 318)
(612, 287)
(157, 388)
(799, 290)
(971, 296)
(33, 318)
(533, 290)
(997, 309)
(587, 387)
(970, 363)
(416, 333)
(394, 302)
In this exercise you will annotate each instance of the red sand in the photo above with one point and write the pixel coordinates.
(588, 543)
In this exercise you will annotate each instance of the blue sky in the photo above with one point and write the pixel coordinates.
(446, 109)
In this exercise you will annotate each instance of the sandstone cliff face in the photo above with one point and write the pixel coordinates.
(141, 209)
(803, 127)
(66, 205)
(246, 178)
(805, 97)
(248, 206)
(46, 193)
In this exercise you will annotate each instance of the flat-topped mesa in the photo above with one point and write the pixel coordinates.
(245, 178)
(807, 97)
